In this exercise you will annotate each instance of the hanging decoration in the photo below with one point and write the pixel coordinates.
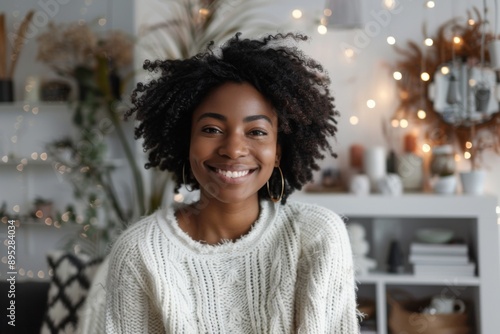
(454, 92)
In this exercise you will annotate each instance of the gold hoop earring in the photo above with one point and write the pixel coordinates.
(277, 199)
(184, 179)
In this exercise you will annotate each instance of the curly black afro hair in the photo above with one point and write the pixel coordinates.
(296, 85)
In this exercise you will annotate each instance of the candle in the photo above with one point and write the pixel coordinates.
(356, 156)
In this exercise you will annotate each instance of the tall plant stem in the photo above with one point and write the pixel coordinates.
(130, 158)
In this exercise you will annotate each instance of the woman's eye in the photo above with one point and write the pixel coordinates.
(211, 130)
(258, 133)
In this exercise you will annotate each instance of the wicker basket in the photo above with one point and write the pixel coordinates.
(406, 318)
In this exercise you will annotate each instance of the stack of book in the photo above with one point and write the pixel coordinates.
(441, 260)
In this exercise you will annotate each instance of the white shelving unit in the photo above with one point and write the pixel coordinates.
(26, 128)
(473, 218)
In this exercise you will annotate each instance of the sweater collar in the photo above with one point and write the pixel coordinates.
(262, 227)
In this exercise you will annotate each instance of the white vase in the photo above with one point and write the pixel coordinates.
(445, 184)
(494, 49)
(374, 164)
(473, 182)
(359, 184)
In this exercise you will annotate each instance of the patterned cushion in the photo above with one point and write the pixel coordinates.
(72, 276)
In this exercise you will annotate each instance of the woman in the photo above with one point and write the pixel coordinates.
(244, 125)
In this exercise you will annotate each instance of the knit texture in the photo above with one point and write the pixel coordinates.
(292, 273)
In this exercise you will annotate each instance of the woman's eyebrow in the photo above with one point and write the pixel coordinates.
(223, 118)
(256, 118)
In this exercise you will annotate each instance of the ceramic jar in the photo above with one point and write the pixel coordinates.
(442, 161)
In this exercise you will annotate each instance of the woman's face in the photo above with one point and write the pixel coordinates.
(234, 143)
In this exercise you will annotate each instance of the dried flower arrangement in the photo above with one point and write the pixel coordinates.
(414, 92)
(7, 72)
(66, 47)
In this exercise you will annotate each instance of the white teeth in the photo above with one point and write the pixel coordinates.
(233, 175)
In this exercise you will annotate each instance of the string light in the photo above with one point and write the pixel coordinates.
(468, 145)
(471, 22)
(327, 12)
(467, 155)
(457, 157)
(179, 198)
(354, 120)
(5, 158)
(403, 123)
(322, 29)
(389, 4)
(41, 274)
(349, 53)
(102, 22)
(426, 148)
(43, 156)
(395, 123)
(430, 4)
(445, 70)
(34, 156)
(391, 40)
(397, 75)
(203, 12)
(296, 14)
(428, 42)
(371, 104)
(457, 40)
(421, 114)
(425, 76)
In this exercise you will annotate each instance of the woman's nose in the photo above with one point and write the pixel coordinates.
(234, 146)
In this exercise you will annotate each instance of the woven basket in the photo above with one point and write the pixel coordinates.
(406, 318)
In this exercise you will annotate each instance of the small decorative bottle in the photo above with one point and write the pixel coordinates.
(395, 259)
(410, 166)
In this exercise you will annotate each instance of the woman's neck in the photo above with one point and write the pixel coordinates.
(213, 222)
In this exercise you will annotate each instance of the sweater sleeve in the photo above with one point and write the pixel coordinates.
(325, 288)
(130, 307)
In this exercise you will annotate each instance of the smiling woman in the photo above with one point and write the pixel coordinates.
(244, 125)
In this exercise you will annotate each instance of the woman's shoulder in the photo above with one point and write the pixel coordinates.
(314, 220)
(136, 233)
(312, 213)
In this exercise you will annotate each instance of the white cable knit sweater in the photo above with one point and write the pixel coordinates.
(292, 273)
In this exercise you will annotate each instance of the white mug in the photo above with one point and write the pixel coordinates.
(447, 305)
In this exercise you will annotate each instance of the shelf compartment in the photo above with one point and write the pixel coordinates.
(422, 294)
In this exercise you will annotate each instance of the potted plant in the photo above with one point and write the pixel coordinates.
(443, 168)
(473, 180)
